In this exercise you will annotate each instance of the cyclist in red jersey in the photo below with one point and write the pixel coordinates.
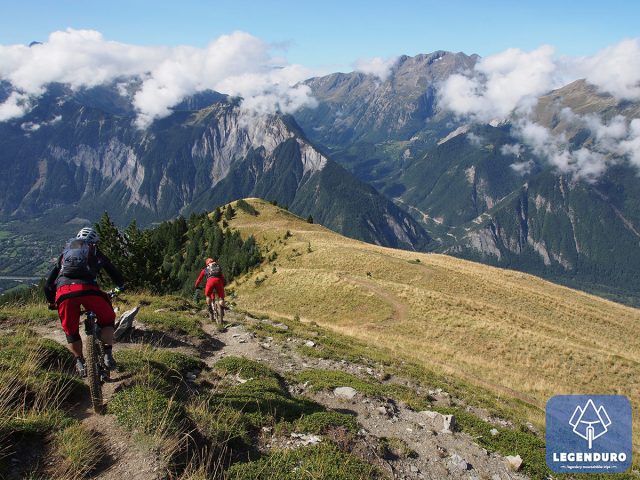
(215, 282)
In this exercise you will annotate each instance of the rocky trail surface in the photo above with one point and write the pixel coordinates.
(430, 446)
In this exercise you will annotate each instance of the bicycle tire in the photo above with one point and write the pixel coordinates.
(218, 315)
(93, 373)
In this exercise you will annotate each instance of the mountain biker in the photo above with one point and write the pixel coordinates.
(72, 284)
(215, 282)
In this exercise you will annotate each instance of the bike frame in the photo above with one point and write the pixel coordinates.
(97, 371)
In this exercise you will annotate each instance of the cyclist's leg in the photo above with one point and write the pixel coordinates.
(105, 316)
(219, 287)
(209, 295)
(69, 313)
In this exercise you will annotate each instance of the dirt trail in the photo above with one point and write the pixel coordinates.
(439, 455)
(398, 307)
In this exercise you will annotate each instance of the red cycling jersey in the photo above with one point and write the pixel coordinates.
(213, 283)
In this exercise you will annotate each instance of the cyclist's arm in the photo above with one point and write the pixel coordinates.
(50, 283)
(200, 277)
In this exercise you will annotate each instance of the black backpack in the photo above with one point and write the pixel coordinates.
(213, 270)
(79, 260)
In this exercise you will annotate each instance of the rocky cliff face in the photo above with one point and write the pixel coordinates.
(78, 154)
(360, 107)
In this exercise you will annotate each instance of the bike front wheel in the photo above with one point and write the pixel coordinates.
(93, 373)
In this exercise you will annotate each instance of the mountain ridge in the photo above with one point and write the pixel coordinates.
(83, 157)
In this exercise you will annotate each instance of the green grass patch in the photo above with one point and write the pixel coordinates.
(77, 450)
(220, 424)
(40, 422)
(263, 396)
(319, 462)
(31, 314)
(159, 369)
(145, 410)
(320, 422)
(245, 368)
(135, 359)
(173, 322)
(320, 379)
(265, 401)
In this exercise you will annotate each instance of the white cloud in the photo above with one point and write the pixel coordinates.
(15, 106)
(523, 168)
(514, 149)
(508, 85)
(376, 66)
(236, 64)
(30, 127)
(631, 146)
(513, 80)
(615, 69)
(613, 141)
(500, 84)
(476, 140)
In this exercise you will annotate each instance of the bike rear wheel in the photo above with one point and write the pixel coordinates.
(218, 315)
(93, 373)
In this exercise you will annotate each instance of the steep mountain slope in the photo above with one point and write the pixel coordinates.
(373, 125)
(76, 154)
(357, 106)
(481, 191)
(510, 332)
(585, 233)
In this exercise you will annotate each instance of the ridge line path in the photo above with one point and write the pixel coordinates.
(400, 314)
(398, 307)
(438, 455)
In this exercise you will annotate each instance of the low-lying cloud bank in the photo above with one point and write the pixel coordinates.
(508, 85)
(236, 64)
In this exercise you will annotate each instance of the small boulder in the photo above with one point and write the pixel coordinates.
(309, 344)
(515, 463)
(459, 462)
(494, 432)
(345, 392)
(438, 422)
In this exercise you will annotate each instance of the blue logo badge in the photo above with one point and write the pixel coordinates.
(589, 433)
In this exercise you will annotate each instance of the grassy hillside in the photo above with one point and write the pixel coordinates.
(505, 331)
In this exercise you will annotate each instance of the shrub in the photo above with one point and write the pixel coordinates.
(78, 451)
(243, 205)
(221, 425)
(146, 410)
(320, 462)
(136, 359)
(245, 368)
(321, 422)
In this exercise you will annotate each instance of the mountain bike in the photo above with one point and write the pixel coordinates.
(97, 371)
(215, 311)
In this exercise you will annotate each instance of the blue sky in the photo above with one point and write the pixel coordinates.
(333, 34)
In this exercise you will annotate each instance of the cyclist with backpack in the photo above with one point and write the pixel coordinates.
(215, 283)
(72, 284)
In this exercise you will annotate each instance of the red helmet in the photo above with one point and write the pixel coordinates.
(209, 260)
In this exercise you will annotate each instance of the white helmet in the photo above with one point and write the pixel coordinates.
(88, 234)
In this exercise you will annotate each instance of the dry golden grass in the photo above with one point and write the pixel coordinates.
(511, 332)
